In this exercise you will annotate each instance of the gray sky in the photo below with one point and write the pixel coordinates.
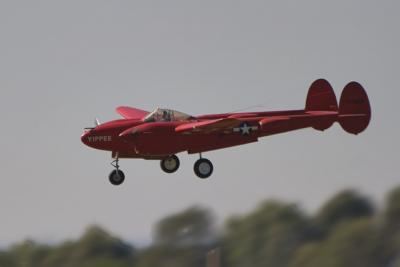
(62, 63)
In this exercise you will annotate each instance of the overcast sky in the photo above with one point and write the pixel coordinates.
(63, 63)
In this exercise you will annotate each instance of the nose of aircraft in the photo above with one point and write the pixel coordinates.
(84, 137)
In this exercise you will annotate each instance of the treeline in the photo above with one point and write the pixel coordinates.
(347, 231)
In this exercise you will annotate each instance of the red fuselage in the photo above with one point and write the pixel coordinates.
(166, 132)
(159, 139)
(163, 133)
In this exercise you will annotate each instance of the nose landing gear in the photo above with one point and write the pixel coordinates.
(116, 176)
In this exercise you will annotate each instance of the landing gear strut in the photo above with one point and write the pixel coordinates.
(203, 168)
(116, 176)
(170, 164)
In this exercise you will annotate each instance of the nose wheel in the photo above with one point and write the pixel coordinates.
(170, 164)
(203, 168)
(116, 176)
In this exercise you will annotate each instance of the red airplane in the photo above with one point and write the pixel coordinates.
(161, 134)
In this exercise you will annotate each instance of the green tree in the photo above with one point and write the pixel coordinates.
(60, 255)
(96, 248)
(190, 227)
(308, 255)
(344, 232)
(29, 254)
(391, 227)
(392, 210)
(345, 205)
(170, 256)
(353, 243)
(97, 242)
(267, 237)
(7, 260)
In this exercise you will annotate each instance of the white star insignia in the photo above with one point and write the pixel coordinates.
(245, 129)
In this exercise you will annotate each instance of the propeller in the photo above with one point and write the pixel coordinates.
(96, 123)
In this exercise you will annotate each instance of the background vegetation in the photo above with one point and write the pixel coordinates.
(346, 231)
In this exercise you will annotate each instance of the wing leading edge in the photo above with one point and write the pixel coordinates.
(208, 126)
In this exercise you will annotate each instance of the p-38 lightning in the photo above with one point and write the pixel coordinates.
(161, 134)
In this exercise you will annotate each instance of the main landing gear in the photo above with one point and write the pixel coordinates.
(203, 168)
(116, 176)
(170, 164)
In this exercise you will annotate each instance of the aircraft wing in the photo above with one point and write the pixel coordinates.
(208, 126)
(131, 113)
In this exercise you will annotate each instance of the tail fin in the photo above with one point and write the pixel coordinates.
(354, 108)
(321, 97)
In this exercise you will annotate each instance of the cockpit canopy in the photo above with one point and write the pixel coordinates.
(162, 114)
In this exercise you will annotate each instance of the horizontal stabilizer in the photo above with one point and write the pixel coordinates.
(280, 124)
(353, 115)
(131, 113)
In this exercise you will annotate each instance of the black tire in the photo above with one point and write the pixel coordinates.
(170, 164)
(116, 177)
(203, 168)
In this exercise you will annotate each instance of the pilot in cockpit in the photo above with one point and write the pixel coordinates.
(166, 116)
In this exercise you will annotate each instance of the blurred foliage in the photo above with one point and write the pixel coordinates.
(95, 248)
(351, 243)
(190, 227)
(346, 205)
(345, 231)
(266, 237)
(166, 256)
(391, 228)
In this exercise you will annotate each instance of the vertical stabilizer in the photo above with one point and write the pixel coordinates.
(354, 108)
(321, 97)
